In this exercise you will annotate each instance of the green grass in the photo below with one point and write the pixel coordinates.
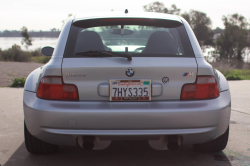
(236, 74)
(18, 82)
(40, 59)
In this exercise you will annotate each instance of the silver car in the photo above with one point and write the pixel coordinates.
(126, 76)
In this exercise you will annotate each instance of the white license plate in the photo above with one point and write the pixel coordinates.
(130, 90)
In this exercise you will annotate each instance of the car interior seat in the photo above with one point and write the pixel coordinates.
(89, 41)
(160, 42)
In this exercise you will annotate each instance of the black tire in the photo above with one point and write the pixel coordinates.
(215, 145)
(36, 146)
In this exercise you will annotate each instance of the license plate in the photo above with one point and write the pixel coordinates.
(130, 90)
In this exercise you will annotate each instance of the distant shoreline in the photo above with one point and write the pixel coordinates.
(31, 37)
(47, 34)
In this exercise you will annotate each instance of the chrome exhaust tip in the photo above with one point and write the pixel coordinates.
(173, 142)
(88, 142)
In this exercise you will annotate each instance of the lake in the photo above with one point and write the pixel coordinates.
(7, 42)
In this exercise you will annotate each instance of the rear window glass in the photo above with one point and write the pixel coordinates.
(140, 40)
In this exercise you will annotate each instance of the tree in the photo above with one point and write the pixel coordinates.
(159, 7)
(174, 10)
(202, 27)
(218, 30)
(26, 40)
(234, 39)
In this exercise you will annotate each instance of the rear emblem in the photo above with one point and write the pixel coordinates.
(130, 72)
(75, 74)
(165, 80)
(188, 74)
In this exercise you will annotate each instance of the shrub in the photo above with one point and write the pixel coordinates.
(15, 54)
(18, 82)
(233, 77)
(36, 52)
(46, 59)
(0, 54)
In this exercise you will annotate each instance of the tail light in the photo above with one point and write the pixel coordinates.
(205, 87)
(53, 88)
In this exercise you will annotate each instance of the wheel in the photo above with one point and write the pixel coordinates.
(36, 146)
(215, 145)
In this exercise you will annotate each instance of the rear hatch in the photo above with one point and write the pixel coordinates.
(162, 58)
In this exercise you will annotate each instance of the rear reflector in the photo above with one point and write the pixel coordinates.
(205, 87)
(53, 88)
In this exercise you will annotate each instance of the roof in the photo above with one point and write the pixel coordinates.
(150, 15)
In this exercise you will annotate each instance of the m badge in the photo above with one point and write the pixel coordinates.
(188, 74)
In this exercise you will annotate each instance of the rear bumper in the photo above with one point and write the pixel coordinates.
(60, 122)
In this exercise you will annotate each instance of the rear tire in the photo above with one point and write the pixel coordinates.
(36, 146)
(215, 145)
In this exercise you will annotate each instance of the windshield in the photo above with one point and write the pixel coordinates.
(137, 40)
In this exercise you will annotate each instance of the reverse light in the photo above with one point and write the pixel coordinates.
(205, 87)
(53, 88)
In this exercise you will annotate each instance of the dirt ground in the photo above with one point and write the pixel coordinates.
(11, 70)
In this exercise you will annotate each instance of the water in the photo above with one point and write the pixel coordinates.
(7, 42)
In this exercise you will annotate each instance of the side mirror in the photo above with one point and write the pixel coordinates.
(48, 51)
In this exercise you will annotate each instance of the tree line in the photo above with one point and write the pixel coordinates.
(230, 43)
(14, 33)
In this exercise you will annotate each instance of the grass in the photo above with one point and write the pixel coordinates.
(40, 59)
(18, 82)
(233, 70)
(236, 74)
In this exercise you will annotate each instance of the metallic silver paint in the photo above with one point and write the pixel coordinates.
(100, 70)
(48, 120)
(52, 68)
(61, 122)
(204, 68)
(221, 80)
(103, 89)
(157, 89)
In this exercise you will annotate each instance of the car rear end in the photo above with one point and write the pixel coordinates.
(94, 93)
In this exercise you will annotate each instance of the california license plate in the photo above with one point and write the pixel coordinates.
(130, 90)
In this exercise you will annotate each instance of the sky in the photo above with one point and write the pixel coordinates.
(48, 14)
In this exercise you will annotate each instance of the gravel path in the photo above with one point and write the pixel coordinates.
(11, 70)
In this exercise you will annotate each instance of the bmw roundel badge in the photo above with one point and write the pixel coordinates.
(130, 72)
(165, 80)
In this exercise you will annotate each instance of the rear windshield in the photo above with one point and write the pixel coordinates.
(140, 40)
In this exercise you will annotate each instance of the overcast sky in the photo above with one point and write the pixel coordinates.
(48, 14)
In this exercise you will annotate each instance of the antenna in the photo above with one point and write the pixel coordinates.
(126, 11)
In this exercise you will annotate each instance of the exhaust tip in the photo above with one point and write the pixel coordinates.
(173, 145)
(88, 143)
(173, 142)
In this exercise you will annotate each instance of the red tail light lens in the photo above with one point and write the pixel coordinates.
(53, 88)
(205, 87)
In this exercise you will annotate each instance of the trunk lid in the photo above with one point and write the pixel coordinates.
(92, 75)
